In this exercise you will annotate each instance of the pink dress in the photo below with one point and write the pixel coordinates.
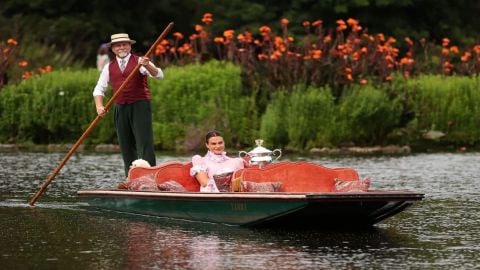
(214, 165)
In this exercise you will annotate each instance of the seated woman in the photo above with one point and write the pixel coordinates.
(215, 162)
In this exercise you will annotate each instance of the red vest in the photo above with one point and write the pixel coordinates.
(137, 87)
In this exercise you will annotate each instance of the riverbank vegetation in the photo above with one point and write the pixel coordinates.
(57, 107)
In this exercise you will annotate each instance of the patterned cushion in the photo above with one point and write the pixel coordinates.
(351, 185)
(143, 183)
(223, 181)
(249, 186)
(171, 185)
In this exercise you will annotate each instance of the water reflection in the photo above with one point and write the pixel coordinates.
(174, 244)
(441, 232)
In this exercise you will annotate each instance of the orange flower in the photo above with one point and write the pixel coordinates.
(306, 23)
(445, 42)
(203, 34)
(445, 51)
(284, 22)
(454, 49)
(276, 55)
(207, 18)
(476, 49)
(317, 23)
(160, 49)
(391, 40)
(198, 28)
(405, 61)
(265, 30)
(381, 48)
(26, 75)
(278, 41)
(409, 41)
(363, 81)
(348, 70)
(388, 78)
(381, 37)
(349, 77)
(356, 56)
(466, 56)
(356, 28)
(218, 40)
(246, 37)
(262, 56)
(12, 42)
(178, 35)
(23, 63)
(316, 54)
(447, 65)
(389, 59)
(352, 22)
(228, 34)
(327, 39)
(341, 27)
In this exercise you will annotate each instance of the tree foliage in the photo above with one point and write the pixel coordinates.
(80, 26)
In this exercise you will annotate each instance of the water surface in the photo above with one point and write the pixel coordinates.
(440, 232)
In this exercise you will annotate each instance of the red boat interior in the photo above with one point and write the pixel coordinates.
(293, 176)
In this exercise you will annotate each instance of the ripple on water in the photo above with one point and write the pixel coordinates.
(440, 232)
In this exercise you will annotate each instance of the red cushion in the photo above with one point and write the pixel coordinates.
(171, 185)
(223, 181)
(248, 186)
(145, 183)
(351, 185)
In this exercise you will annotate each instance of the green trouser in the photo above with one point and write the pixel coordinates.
(134, 132)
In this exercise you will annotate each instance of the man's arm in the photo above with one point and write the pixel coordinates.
(152, 70)
(99, 105)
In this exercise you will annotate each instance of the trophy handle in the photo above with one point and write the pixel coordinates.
(278, 155)
(242, 154)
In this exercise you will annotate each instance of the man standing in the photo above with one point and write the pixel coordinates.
(132, 111)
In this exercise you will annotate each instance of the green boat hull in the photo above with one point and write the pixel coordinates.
(254, 209)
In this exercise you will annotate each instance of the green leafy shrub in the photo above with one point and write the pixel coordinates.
(273, 128)
(58, 107)
(54, 107)
(196, 98)
(447, 104)
(310, 117)
(301, 119)
(367, 115)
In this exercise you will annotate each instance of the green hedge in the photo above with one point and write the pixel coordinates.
(309, 117)
(447, 104)
(58, 107)
(55, 107)
(190, 100)
(194, 99)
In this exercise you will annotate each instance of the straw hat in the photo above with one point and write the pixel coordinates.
(121, 37)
